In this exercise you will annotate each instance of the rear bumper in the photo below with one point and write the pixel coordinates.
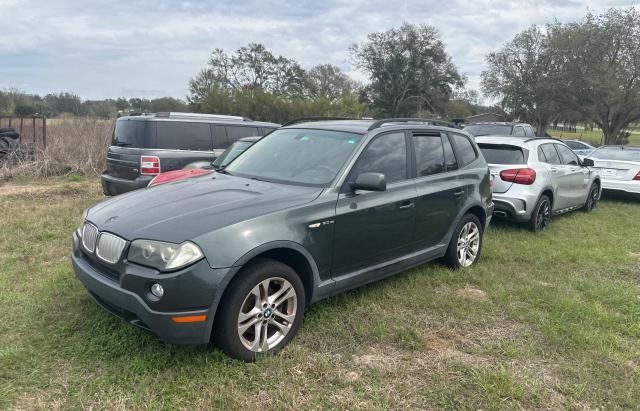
(511, 208)
(631, 187)
(129, 305)
(112, 186)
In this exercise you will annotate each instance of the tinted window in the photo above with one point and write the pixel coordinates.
(617, 153)
(488, 129)
(502, 154)
(429, 154)
(220, 137)
(568, 156)
(183, 136)
(465, 149)
(296, 156)
(387, 154)
(134, 133)
(529, 131)
(541, 156)
(236, 133)
(574, 145)
(550, 154)
(518, 132)
(449, 157)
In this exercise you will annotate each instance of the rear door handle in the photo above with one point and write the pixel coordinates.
(554, 170)
(458, 193)
(406, 205)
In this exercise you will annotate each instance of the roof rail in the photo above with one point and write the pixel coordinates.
(305, 119)
(174, 114)
(441, 123)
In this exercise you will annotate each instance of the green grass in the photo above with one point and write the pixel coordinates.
(544, 321)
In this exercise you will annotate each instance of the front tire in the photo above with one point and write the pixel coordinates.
(541, 216)
(262, 311)
(465, 244)
(593, 197)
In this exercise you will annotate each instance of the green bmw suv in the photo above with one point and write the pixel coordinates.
(309, 211)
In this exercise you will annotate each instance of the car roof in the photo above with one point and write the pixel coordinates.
(497, 123)
(514, 141)
(198, 118)
(363, 126)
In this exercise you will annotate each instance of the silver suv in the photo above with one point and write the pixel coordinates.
(536, 178)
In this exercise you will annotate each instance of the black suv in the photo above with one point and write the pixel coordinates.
(146, 145)
(308, 211)
(500, 129)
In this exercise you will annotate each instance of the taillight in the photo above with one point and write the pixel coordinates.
(149, 165)
(637, 177)
(519, 175)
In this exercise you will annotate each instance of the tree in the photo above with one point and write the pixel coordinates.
(63, 103)
(328, 82)
(409, 70)
(528, 78)
(251, 68)
(603, 56)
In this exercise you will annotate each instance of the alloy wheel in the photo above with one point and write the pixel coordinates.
(468, 244)
(543, 217)
(267, 314)
(592, 201)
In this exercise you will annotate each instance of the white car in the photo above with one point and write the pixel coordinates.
(619, 168)
(580, 147)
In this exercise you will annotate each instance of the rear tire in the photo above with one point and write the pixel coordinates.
(592, 198)
(261, 311)
(465, 245)
(541, 216)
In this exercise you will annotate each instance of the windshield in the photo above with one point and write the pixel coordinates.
(133, 133)
(297, 156)
(502, 154)
(488, 130)
(233, 151)
(617, 153)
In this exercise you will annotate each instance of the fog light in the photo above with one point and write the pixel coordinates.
(157, 290)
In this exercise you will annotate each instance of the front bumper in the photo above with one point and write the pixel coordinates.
(194, 291)
(113, 186)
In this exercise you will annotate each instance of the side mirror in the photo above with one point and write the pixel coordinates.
(587, 162)
(370, 182)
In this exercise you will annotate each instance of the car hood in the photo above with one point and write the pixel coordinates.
(185, 209)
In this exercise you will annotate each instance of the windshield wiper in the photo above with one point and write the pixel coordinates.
(222, 171)
(122, 144)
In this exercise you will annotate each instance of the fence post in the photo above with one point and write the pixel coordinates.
(44, 133)
(34, 130)
(21, 124)
(9, 122)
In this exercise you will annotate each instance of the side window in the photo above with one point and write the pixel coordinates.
(387, 154)
(568, 156)
(541, 157)
(518, 132)
(528, 131)
(265, 131)
(220, 139)
(429, 154)
(465, 149)
(450, 161)
(177, 135)
(550, 154)
(236, 133)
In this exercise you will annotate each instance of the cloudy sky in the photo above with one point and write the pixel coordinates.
(151, 48)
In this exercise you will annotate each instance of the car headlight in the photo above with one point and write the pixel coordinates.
(84, 218)
(164, 256)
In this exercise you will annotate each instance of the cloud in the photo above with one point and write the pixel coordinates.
(111, 48)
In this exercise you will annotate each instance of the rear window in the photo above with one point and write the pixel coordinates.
(502, 154)
(617, 153)
(465, 149)
(134, 133)
(488, 130)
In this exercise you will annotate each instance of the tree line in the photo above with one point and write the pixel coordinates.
(587, 71)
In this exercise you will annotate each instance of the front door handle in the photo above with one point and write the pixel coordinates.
(458, 193)
(406, 205)
(554, 170)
